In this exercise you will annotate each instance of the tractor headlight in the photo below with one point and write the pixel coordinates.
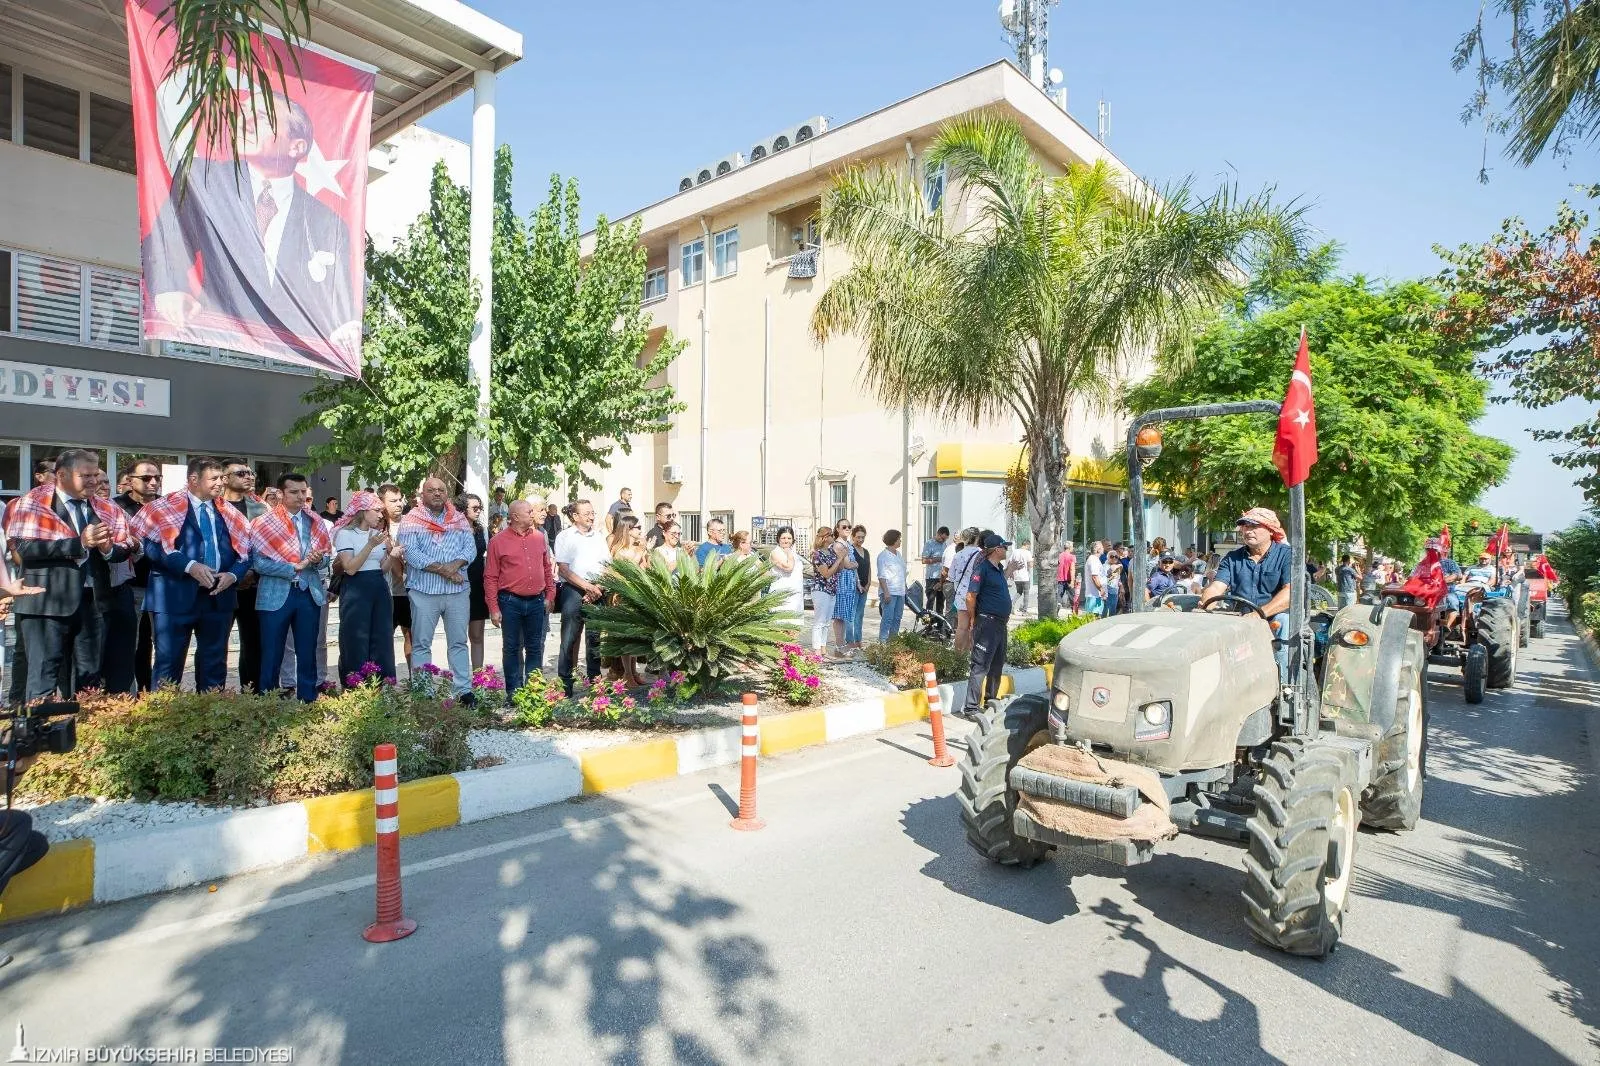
(1060, 702)
(1154, 721)
(1057, 718)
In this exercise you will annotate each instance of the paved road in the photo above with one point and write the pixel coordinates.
(858, 927)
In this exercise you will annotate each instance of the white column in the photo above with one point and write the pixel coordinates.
(481, 232)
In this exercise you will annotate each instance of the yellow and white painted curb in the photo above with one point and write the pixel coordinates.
(88, 870)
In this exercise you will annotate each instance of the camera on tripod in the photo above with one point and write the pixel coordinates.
(45, 728)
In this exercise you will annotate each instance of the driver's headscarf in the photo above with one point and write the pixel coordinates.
(1267, 519)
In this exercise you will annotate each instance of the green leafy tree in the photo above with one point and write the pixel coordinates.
(1537, 300)
(1575, 553)
(710, 622)
(570, 376)
(1471, 526)
(1395, 401)
(1038, 304)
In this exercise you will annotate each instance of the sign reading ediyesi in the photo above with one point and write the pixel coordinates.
(65, 386)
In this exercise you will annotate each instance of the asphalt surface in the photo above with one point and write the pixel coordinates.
(859, 927)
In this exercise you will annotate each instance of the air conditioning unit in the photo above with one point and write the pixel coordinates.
(728, 164)
(686, 183)
(798, 134)
(672, 474)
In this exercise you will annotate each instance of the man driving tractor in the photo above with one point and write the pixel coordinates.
(1257, 572)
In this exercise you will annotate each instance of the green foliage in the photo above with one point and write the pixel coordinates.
(570, 378)
(709, 624)
(534, 704)
(1575, 553)
(1034, 643)
(794, 676)
(232, 747)
(1030, 311)
(1535, 299)
(900, 659)
(1467, 539)
(1395, 400)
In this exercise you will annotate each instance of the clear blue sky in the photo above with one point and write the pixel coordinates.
(1351, 106)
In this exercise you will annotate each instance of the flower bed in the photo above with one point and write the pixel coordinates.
(900, 659)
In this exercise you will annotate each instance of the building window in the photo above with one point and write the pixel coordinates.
(114, 309)
(725, 252)
(689, 523)
(49, 297)
(693, 263)
(110, 133)
(50, 116)
(933, 186)
(10, 471)
(5, 291)
(655, 284)
(929, 512)
(727, 520)
(5, 102)
(838, 502)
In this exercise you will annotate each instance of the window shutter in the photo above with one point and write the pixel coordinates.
(49, 297)
(114, 309)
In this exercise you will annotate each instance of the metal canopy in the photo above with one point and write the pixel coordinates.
(426, 51)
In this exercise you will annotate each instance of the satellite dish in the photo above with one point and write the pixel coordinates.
(1055, 75)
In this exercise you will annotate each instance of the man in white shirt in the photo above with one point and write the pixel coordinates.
(960, 577)
(1094, 579)
(1020, 563)
(891, 566)
(582, 555)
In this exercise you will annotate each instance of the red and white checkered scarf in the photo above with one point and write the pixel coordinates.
(34, 518)
(162, 518)
(274, 535)
(420, 520)
(360, 503)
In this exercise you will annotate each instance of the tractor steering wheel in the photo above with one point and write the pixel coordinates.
(1188, 601)
(1238, 601)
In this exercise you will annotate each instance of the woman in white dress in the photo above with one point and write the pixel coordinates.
(791, 577)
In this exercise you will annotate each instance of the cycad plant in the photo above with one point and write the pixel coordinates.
(1039, 306)
(711, 623)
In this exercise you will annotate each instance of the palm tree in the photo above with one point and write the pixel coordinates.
(1039, 305)
(208, 33)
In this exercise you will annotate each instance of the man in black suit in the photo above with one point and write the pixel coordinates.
(247, 244)
(65, 627)
(130, 642)
(239, 492)
(44, 473)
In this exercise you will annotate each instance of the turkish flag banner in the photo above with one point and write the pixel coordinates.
(265, 254)
(1295, 449)
(1500, 542)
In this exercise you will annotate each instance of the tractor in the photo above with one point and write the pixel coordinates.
(1177, 718)
(1483, 642)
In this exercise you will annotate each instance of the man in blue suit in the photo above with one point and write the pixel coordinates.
(198, 551)
(290, 547)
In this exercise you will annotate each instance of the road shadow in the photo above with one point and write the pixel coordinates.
(935, 826)
(583, 944)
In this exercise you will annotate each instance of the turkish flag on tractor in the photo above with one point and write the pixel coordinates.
(1295, 450)
(1500, 542)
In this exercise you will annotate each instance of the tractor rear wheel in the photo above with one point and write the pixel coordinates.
(1474, 672)
(1302, 848)
(1497, 627)
(1394, 799)
(1536, 627)
(1005, 732)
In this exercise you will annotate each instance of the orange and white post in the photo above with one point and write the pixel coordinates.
(749, 748)
(392, 924)
(930, 682)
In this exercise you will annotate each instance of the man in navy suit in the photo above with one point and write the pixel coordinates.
(262, 249)
(195, 562)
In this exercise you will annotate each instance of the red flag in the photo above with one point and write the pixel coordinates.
(1546, 570)
(1426, 583)
(1295, 449)
(1499, 542)
(1444, 541)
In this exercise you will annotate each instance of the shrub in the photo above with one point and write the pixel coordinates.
(794, 677)
(1034, 644)
(534, 704)
(901, 657)
(709, 623)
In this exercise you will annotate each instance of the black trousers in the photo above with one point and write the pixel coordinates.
(935, 596)
(988, 659)
(249, 623)
(21, 845)
(144, 654)
(122, 641)
(64, 653)
(17, 678)
(569, 601)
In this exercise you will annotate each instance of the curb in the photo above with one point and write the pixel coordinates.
(75, 873)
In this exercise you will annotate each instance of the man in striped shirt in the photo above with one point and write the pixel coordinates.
(439, 546)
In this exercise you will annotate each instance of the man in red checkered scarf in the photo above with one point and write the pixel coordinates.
(66, 538)
(291, 547)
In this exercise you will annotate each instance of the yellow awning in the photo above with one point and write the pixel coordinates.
(983, 461)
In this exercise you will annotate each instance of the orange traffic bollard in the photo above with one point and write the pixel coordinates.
(750, 747)
(392, 924)
(930, 681)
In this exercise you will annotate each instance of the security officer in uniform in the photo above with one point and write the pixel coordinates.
(988, 597)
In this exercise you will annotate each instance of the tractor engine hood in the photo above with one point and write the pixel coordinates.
(1213, 671)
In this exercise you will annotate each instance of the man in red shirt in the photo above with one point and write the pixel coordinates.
(519, 583)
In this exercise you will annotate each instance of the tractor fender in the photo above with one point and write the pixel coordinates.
(1361, 682)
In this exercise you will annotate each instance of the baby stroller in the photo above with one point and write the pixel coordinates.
(930, 625)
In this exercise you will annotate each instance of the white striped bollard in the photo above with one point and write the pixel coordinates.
(392, 924)
(749, 748)
(930, 682)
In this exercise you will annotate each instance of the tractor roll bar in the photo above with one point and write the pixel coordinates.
(1301, 707)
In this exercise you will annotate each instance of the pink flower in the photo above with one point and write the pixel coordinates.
(628, 703)
(813, 681)
(617, 687)
(791, 674)
(602, 702)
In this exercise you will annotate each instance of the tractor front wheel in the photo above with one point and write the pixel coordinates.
(1006, 731)
(1497, 627)
(1474, 672)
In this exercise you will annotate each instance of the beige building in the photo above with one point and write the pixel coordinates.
(781, 430)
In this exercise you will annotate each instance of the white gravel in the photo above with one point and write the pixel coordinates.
(78, 817)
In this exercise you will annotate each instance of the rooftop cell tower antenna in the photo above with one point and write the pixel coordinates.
(1105, 119)
(1027, 23)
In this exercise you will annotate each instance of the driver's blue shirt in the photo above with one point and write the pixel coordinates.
(1255, 581)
